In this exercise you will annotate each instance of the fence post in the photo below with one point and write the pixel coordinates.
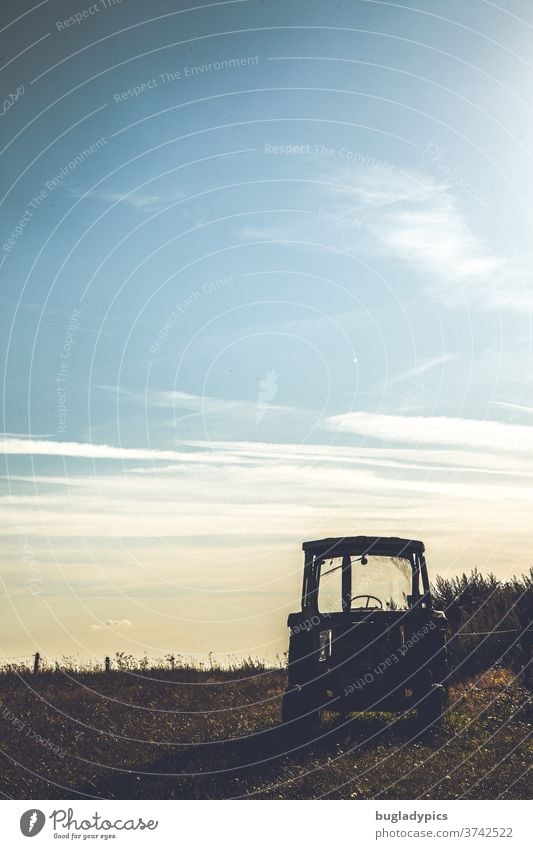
(107, 664)
(526, 642)
(36, 663)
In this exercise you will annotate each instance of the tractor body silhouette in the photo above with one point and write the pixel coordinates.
(367, 637)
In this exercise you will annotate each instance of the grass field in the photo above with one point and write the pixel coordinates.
(187, 733)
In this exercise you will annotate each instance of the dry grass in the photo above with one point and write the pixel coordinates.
(188, 733)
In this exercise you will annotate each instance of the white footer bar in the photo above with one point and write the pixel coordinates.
(267, 824)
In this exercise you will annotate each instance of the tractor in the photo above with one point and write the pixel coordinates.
(367, 637)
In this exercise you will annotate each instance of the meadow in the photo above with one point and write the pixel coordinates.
(172, 730)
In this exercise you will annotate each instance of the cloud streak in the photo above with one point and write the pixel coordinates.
(417, 218)
(413, 217)
(518, 408)
(87, 450)
(471, 434)
(112, 623)
(423, 367)
(244, 488)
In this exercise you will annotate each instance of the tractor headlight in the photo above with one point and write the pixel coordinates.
(324, 638)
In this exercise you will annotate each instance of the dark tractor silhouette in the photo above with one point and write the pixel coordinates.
(367, 637)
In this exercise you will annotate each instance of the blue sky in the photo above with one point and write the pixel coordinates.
(266, 277)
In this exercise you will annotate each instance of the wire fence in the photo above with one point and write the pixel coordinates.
(37, 663)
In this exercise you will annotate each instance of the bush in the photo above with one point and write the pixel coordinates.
(490, 620)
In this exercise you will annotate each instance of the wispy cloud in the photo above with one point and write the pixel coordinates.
(185, 405)
(418, 219)
(139, 200)
(472, 434)
(173, 399)
(237, 502)
(415, 218)
(176, 497)
(423, 367)
(112, 623)
(519, 408)
(90, 451)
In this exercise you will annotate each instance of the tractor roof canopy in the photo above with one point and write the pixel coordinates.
(377, 546)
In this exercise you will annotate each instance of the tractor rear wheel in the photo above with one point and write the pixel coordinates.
(432, 706)
(300, 711)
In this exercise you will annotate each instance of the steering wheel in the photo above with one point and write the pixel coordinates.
(368, 597)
